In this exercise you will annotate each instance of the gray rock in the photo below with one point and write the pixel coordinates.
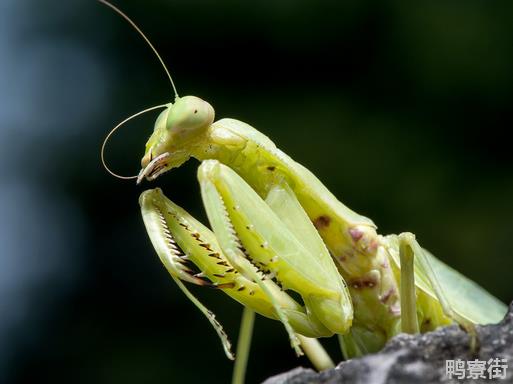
(417, 359)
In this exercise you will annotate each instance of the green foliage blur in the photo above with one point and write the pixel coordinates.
(402, 108)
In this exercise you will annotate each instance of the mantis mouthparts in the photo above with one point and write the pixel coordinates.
(154, 168)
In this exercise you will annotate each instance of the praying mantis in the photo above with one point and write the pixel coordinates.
(275, 228)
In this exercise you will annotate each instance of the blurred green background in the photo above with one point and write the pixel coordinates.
(402, 108)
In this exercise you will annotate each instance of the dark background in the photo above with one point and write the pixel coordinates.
(403, 109)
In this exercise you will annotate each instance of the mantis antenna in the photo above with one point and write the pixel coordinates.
(124, 16)
(119, 12)
(114, 130)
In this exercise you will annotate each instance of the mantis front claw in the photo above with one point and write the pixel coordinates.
(154, 169)
(192, 253)
(254, 255)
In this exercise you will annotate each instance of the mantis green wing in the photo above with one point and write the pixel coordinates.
(466, 299)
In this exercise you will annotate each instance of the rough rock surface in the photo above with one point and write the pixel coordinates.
(418, 359)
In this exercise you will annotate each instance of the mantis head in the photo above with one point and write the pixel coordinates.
(179, 129)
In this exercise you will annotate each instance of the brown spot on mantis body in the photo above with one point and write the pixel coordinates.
(346, 255)
(321, 222)
(225, 286)
(363, 282)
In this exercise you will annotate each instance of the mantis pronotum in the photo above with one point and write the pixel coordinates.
(276, 229)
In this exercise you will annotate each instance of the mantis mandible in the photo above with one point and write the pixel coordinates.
(276, 228)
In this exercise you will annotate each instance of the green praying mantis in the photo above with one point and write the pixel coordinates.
(276, 229)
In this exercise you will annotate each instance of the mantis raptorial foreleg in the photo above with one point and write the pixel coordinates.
(180, 240)
(183, 244)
